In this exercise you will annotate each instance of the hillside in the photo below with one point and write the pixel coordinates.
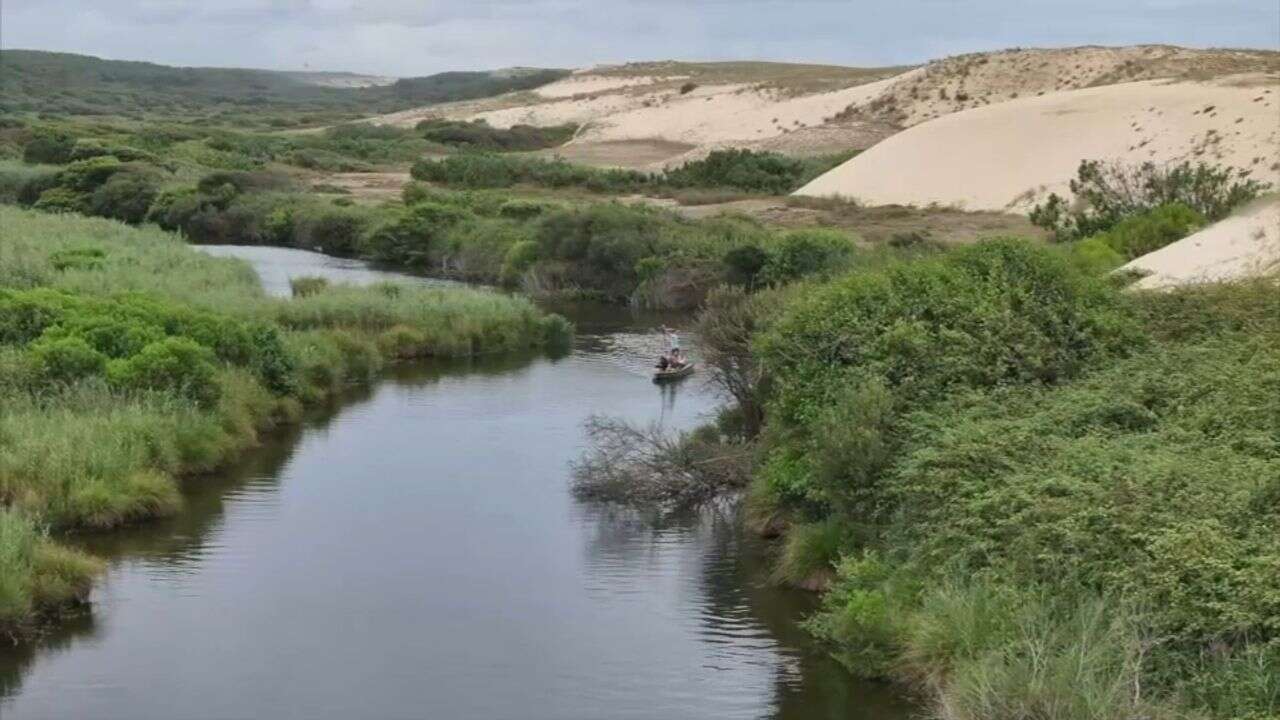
(648, 115)
(1007, 155)
(62, 83)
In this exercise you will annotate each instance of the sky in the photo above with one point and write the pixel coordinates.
(408, 37)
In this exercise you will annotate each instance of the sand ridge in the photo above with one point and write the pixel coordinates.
(1245, 245)
(1009, 155)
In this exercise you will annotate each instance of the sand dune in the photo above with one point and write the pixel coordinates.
(584, 84)
(1244, 245)
(815, 109)
(1006, 156)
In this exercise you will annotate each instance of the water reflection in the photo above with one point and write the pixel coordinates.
(413, 551)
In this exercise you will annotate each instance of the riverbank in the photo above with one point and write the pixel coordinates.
(1028, 493)
(128, 359)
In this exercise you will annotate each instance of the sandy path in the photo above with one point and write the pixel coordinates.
(1003, 156)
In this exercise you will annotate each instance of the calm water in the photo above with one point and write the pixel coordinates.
(413, 552)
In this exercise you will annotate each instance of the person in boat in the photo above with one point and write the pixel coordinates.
(672, 359)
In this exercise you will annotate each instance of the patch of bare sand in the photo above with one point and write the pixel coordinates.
(368, 185)
(1006, 156)
(643, 154)
(587, 83)
(1247, 244)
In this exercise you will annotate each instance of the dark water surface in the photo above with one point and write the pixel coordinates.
(413, 552)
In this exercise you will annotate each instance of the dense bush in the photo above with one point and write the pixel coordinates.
(479, 135)
(48, 150)
(1149, 231)
(802, 253)
(853, 358)
(125, 196)
(748, 170)
(1105, 194)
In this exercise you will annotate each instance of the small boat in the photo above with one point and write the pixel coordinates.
(674, 374)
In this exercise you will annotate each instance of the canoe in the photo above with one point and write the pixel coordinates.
(666, 375)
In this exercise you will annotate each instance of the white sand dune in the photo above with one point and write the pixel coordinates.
(727, 114)
(1005, 156)
(1244, 245)
(585, 83)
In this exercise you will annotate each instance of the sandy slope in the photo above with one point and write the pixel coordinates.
(585, 84)
(1005, 156)
(1246, 244)
(813, 109)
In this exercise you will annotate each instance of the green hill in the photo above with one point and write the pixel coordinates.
(68, 84)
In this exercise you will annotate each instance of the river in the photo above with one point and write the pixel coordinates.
(412, 551)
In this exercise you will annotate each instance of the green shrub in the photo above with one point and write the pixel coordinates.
(48, 150)
(479, 135)
(59, 200)
(334, 232)
(519, 258)
(744, 264)
(175, 364)
(748, 170)
(801, 253)
(88, 175)
(1146, 232)
(409, 239)
(125, 196)
(1108, 193)
(67, 359)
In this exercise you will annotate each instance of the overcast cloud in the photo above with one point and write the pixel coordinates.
(403, 37)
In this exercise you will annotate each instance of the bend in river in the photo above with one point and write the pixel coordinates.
(414, 552)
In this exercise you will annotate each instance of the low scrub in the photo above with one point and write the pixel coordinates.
(1107, 193)
(479, 135)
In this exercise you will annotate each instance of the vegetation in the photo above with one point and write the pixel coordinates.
(736, 169)
(479, 135)
(127, 359)
(79, 85)
(1108, 193)
(1045, 495)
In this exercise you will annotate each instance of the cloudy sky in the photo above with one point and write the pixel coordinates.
(418, 37)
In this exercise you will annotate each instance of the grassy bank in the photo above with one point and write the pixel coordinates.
(127, 359)
(1029, 494)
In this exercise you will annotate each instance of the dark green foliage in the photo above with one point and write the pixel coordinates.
(123, 327)
(125, 196)
(1146, 232)
(748, 170)
(46, 82)
(66, 359)
(1108, 193)
(174, 364)
(802, 253)
(335, 232)
(49, 150)
(446, 86)
(742, 170)
(409, 239)
(479, 135)
(481, 170)
(57, 200)
(743, 264)
(88, 175)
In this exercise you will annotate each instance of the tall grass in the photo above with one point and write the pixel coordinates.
(111, 328)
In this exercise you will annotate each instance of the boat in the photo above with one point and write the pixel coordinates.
(675, 374)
